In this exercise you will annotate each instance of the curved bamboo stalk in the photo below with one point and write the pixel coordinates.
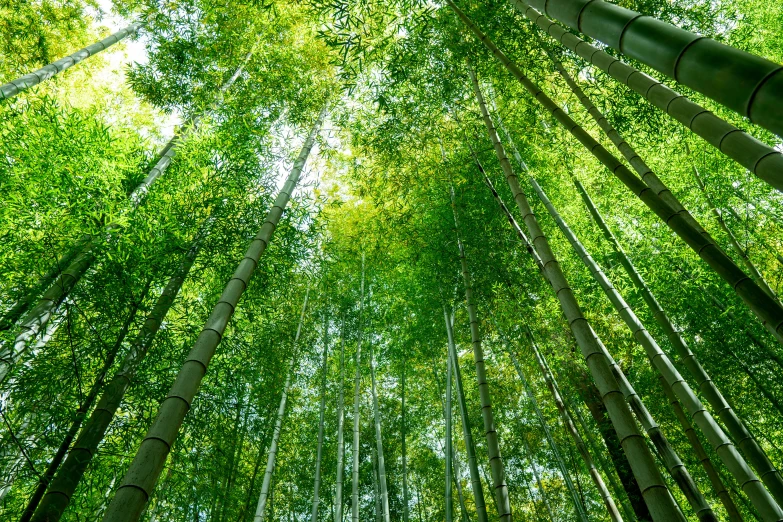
(654, 490)
(749, 482)
(137, 485)
(744, 439)
(768, 310)
(14, 87)
(744, 82)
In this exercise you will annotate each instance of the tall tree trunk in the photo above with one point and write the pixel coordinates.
(272, 456)
(493, 445)
(656, 494)
(379, 443)
(317, 486)
(356, 401)
(35, 321)
(340, 471)
(447, 413)
(750, 84)
(375, 488)
(84, 407)
(579, 508)
(568, 422)
(62, 488)
(405, 500)
(767, 309)
(761, 159)
(751, 485)
(12, 88)
(130, 499)
(470, 449)
(756, 456)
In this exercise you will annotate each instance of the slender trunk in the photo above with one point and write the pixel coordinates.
(11, 89)
(568, 422)
(375, 489)
(761, 159)
(447, 414)
(338, 495)
(405, 501)
(356, 400)
(754, 272)
(701, 453)
(272, 456)
(139, 481)
(379, 444)
(470, 449)
(493, 445)
(656, 494)
(62, 488)
(81, 411)
(35, 320)
(458, 484)
(751, 485)
(581, 514)
(767, 309)
(236, 456)
(747, 444)
(539, 484)
(316, 488)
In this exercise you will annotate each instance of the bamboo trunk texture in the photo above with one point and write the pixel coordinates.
(137, 485)
(737, 429)
(357, 389)
(317, 485)
(70, 474)
(746, 83)
(654, 490)
(493, 445)
(340, 466)
(447, 414)
(475, 479)
(767, 309)
(14, 87)
(749, 482)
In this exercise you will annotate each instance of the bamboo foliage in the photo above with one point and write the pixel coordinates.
(135, 489)
(654, 490)
(743, 82)
(723, 446)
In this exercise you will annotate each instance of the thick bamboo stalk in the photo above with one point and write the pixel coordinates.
(62, 488)
(768, 310)
(136, 488)
(493, 445)
(743, 437)
(470, 449)
(654, 490)
(340, 467)
(356, 403)
(379, 443)
(36, 319)
(731, 458)
(317, 486)
(759, 158)
(14, 87)
(746, 83)
(81, 411)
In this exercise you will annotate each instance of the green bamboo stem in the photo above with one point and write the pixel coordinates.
(134, 491)
(340, 466)
(768, 310)
(14, 87)
(728, 454)
(741, 435)
(654, 490)
(356, 411)
(746, 83)
(317, 486)
(379, 442)
(447, 414)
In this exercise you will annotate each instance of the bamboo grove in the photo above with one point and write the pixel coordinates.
(465, 260)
